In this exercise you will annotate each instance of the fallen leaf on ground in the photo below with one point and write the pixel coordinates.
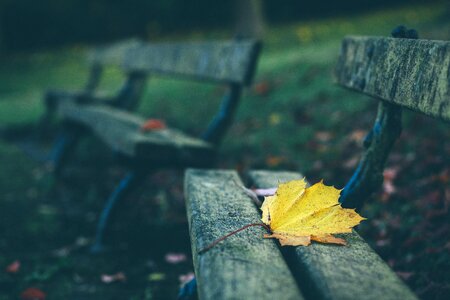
(66, 250)
(33, 294)
(153, 124)
(175, 258)
(323, 136)
(13, 267)
(351, 163)
(273, 161)
(118, 277)
(183, 278)
(389, 176)
(275, 119)
(156, 277)
(297, 215)
(262, 88)
(357, 135)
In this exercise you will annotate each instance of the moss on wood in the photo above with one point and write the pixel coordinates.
(411, 73)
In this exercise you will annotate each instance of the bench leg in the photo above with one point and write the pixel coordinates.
(368, 176)
(127, 184)
(65, 145)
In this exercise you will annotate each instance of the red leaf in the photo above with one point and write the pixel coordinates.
(153, 124)
(262, 88)
(274, 161)
(14, 267)
(33, 294)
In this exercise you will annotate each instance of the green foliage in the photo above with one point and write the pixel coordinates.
(28, 24)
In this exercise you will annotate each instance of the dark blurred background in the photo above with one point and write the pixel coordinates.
(31, 24)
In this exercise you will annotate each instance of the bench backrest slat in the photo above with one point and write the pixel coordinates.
(222, 61)
(112, 54)
(410, 73)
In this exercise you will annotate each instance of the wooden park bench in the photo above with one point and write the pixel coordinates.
(230, 63)
(126, 98)
(399, 73)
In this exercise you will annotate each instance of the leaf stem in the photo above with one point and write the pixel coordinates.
(233, 233)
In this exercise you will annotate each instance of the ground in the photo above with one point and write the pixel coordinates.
(47, 224)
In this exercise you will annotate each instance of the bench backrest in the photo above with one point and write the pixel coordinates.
(221, 61)
(408, 72)
(229, 62)
(113, 54)
(402, 72)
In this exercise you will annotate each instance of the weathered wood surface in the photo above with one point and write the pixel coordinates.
(224, 61)
(244, 266)
(411, 73)
(112, 54)
(347, 272)
(121, 131)
(98, 58)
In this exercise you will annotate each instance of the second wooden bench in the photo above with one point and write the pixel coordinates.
(141, 146)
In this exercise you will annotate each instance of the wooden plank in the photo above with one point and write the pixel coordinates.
(244, 266)
(354, 271)
(224, 61)
(121, 131)
(411, 73)
(113, 54)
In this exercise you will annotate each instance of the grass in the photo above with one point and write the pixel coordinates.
(282, 120)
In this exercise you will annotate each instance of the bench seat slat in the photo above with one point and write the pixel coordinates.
(334, 272)
(411, 73)
(121, 130)
(244, 266)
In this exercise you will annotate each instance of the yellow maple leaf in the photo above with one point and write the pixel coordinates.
(297, 215)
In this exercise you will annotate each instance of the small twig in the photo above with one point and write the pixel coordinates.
(253, 196)
(233, 233)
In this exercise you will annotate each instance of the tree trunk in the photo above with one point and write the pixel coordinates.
(2, 46)
(249, 19)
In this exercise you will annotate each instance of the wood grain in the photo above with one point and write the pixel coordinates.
(121, 131)
(323, 271)
(244, 266)
(113, 54)
(411, 73)
(223, 61)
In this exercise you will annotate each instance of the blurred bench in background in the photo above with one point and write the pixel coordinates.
(145, 146)
(401, 72)
(127, 97)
